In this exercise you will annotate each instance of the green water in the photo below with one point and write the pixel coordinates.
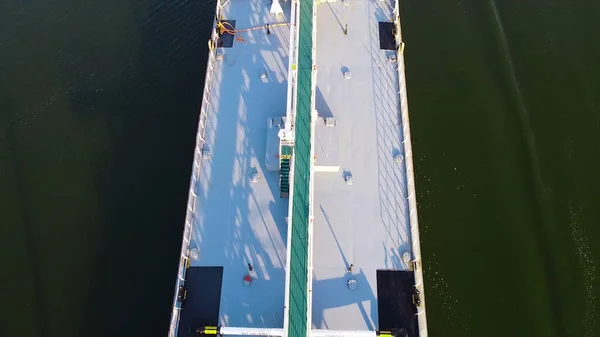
(98, 117)
(504, 110)
(98, 112)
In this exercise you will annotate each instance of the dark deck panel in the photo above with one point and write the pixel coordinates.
(395, 302)
(226, 39)
(386, 36)
(202, 301)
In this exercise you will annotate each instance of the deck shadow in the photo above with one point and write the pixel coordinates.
(321, 105)
(239, 222)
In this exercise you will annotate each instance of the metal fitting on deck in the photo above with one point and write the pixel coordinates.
(207, 330)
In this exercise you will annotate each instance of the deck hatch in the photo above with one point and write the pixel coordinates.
(386, 36)
(397, 313)
(202, 300)
(226, 39)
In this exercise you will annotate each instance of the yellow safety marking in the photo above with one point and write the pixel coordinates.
(210, 330)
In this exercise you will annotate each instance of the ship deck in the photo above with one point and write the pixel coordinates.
(236, 221)
(365, 224)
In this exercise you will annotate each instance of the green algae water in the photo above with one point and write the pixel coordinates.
(98, 113)
(504, 100)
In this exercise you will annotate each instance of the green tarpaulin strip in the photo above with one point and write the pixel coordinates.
(298, 324)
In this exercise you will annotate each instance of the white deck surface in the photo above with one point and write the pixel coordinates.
(365, 224)
(238, 222)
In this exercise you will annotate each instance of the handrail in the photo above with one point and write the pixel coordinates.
(198, 153)
(311, 185)
(410, 175)
(291, 113)
(293, 56)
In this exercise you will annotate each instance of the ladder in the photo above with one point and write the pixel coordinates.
(284, 171)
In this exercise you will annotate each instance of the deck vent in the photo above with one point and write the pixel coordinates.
(349, 179)
(347, 74)
(406, 258)
(352, 284)
(330, 122)
(206, 154)
(194, 253)
(220, 55)
(255, 177)
(398, 158)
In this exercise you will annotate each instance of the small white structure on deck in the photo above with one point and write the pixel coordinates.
(274, 129)
(276, 8)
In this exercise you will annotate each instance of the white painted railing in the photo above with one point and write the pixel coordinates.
(311, 185)
(410, 175)
(198, 152)
(293, 55)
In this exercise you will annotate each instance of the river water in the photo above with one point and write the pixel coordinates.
(504, 99)
(99, 108)
(98, 112)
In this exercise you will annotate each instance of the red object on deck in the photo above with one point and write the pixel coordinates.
(247, 279)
